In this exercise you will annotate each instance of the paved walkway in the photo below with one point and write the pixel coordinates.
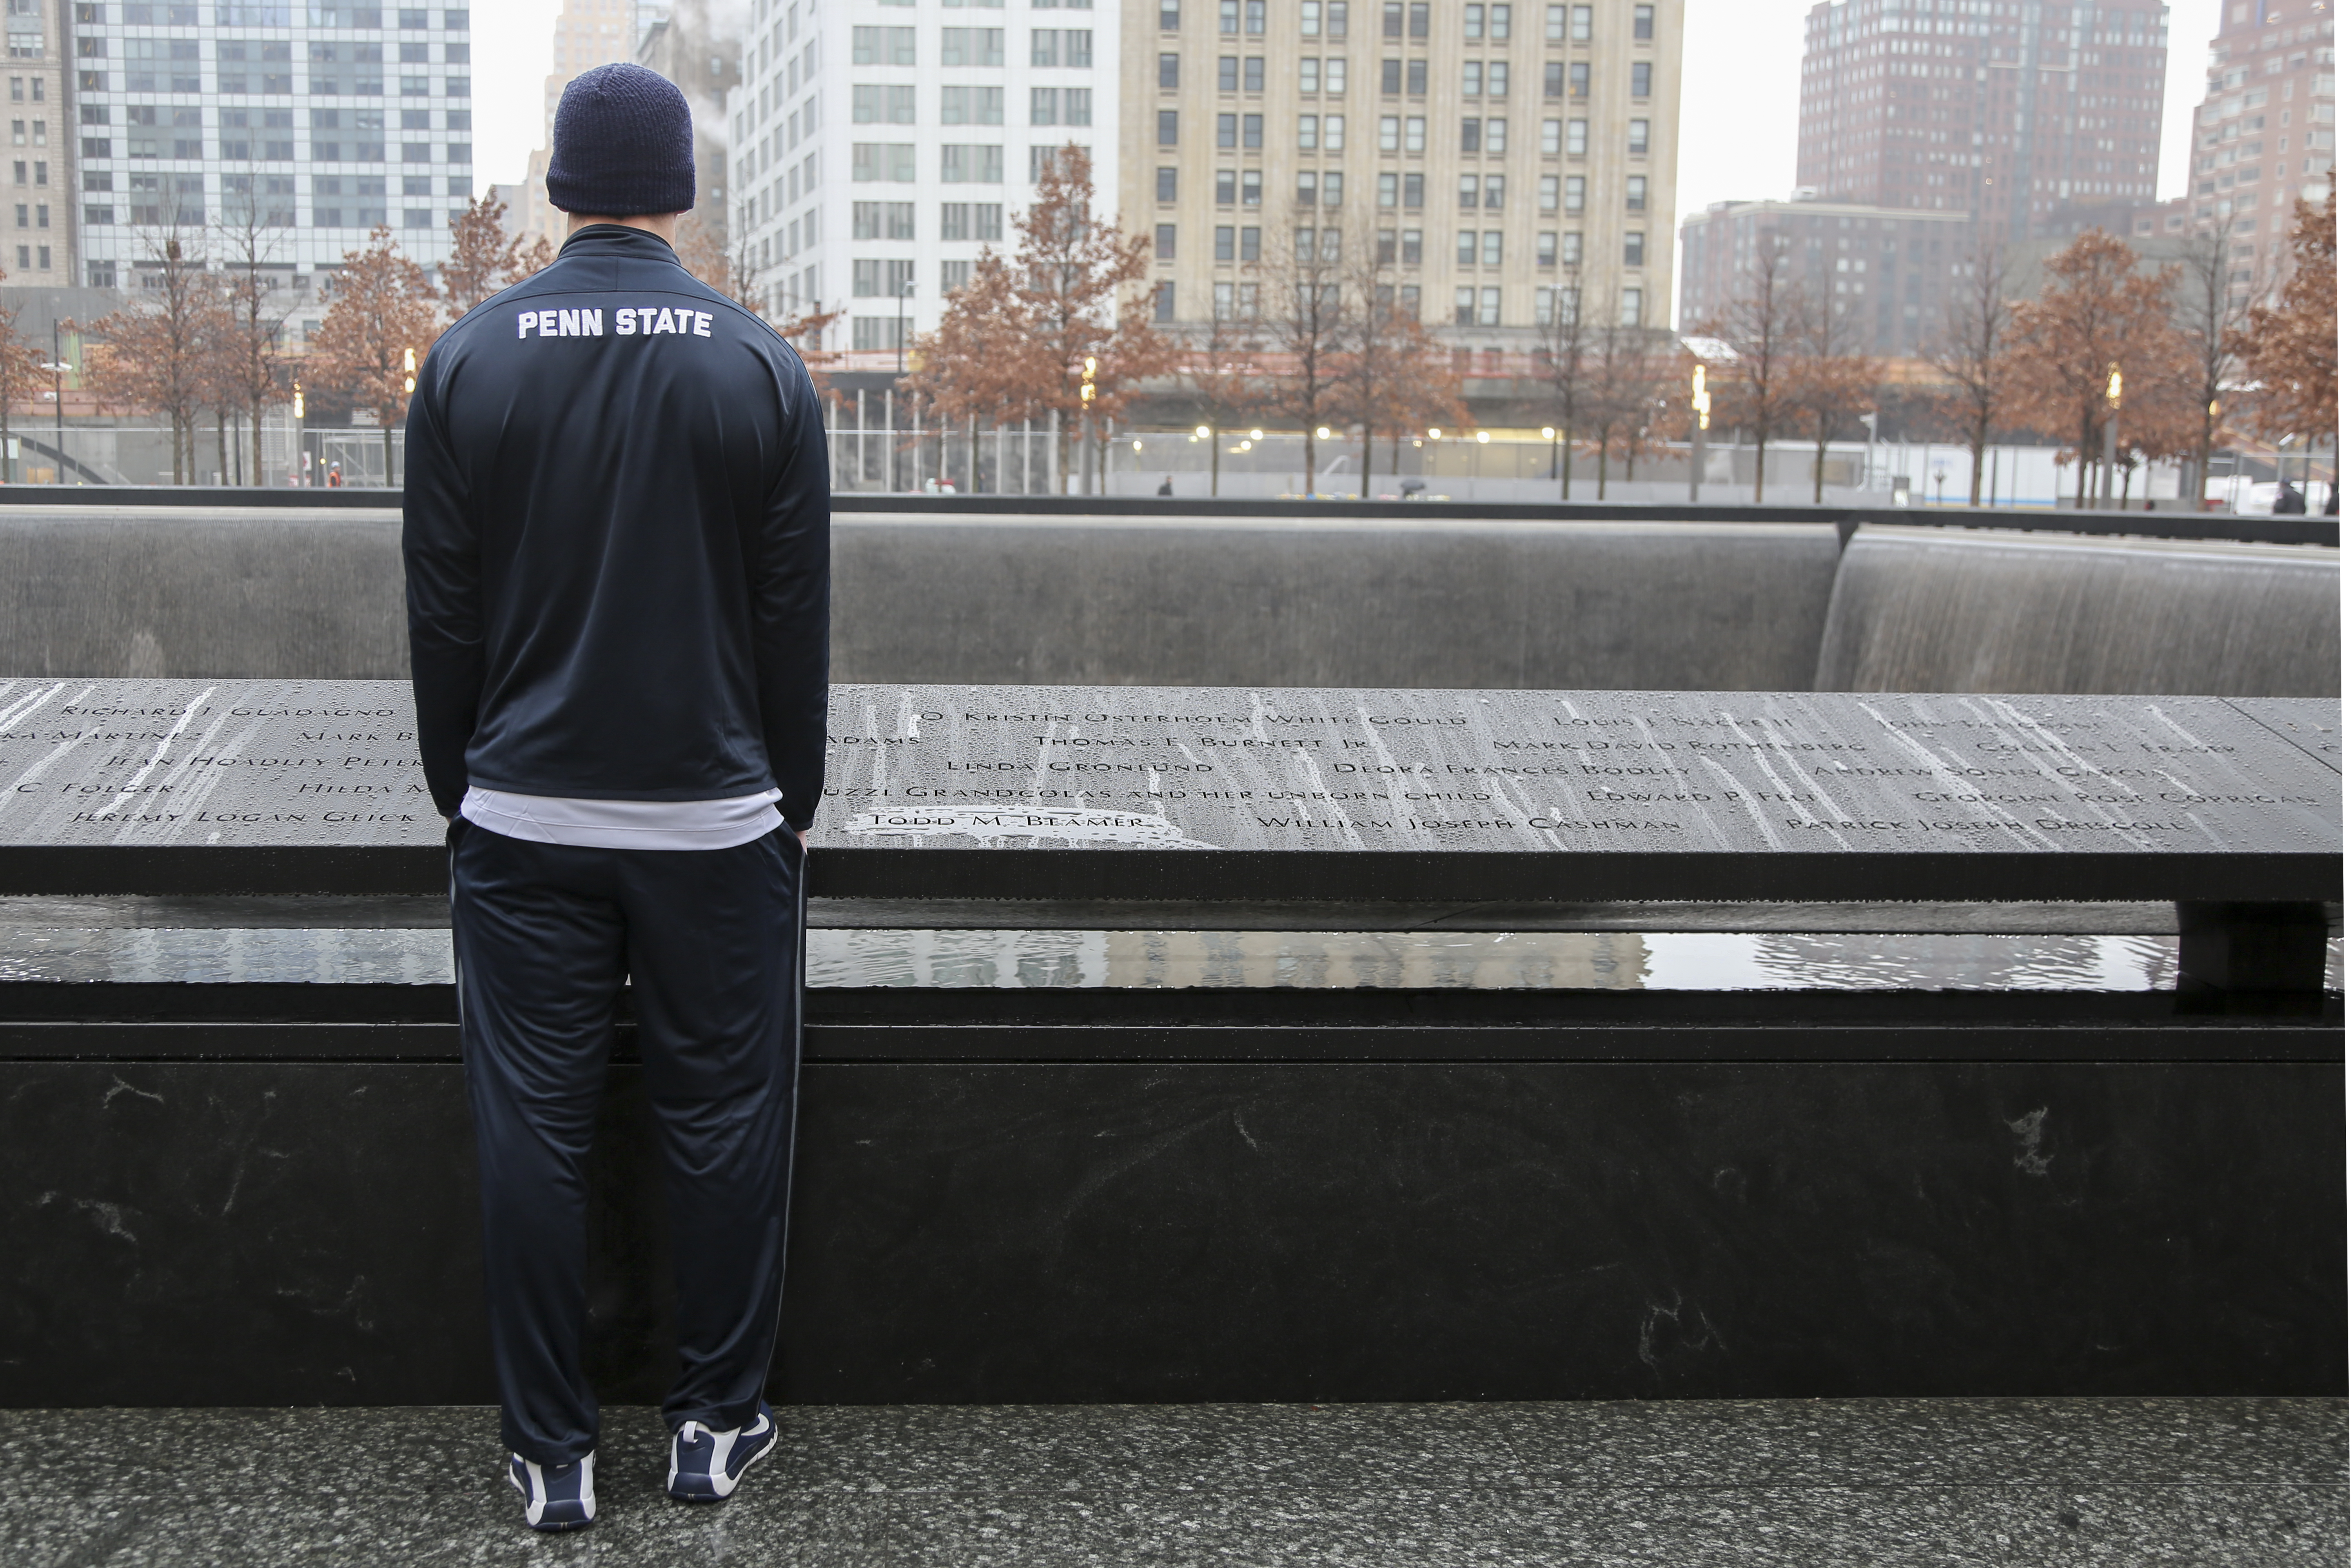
(2240, 1482)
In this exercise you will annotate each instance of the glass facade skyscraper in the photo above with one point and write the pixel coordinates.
(306, 123)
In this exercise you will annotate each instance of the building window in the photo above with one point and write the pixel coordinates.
(1225, 242)
(1168, 128)
(1555, 23)
(1640, 78)
(1579, 79)
(1163, 242)
(1472, 134)
(1465, 247)
(1490, 308)
(1166, 185)
(1465, 192)
(1409, 247)
(1548, 193)
(1253, 188)
(1490, 248)
(1226, 133)
(1163, 301)
(1169, 69)
(1498, 78)
(953, 275)
(1578, 133)
(1637, 193)
(1554, 73)
(1494, 193)
(1416, 19)
(1416, 134)
(1333, 185)
(1496, 130)
(1416, 78)
(1645, 23)
(1250, 242)
(1229, 73)
(1579, 24)
(1629, 308)
(1229, 15)
(1224, 187)
(1571, 194)
(1637, 138)
(1546, 255)
(1413, 189)
(969, 165)
(1170, 18)
(1634, 248)
(1306, 187)
(1465, 308)
(1386, 194)
(1253, 73)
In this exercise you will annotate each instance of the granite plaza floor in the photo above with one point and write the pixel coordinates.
(1694, 1484)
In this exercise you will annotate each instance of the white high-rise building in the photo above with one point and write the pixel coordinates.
(323, 118)
(879, 146)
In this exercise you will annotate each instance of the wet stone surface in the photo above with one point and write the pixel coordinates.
(1529, 785)
(1691, 1484)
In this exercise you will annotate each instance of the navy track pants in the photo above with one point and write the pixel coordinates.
(709, 941)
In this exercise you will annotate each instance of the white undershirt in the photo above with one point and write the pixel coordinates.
(625, 824)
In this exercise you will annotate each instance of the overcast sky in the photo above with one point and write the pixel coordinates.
(1739, 93)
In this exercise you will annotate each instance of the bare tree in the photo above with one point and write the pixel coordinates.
(1226, 377)
(1564, 352)
(1761, 328)
(249, 355)
(1306, 314)
(2209, 310)
(1970, 348)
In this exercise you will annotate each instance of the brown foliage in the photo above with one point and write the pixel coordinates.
(1391, 375)
(1227, 378)
(483, 257)
(378, 330)
(1016, 341)
(2290, 349)
(157, 354)
(2097, 313)
(1830, 382)
(20, 374)
(248, 357)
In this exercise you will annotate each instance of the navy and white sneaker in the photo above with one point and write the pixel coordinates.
(707, 1465)
(555, 1497)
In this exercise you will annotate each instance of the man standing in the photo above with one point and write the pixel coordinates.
(616, 538)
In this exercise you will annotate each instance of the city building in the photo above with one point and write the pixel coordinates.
(2001, 110)
(588, 33)
(38, 249)
(2265, 133)
(1888, 268)
(316, 122)
(704, 61)
(880, 146)
(1492, 155)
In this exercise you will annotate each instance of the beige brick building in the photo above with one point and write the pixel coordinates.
(1497, 151)
(40, 251)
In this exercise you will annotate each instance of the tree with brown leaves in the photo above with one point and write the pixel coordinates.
(1069, 296)
(1761, 329)
(1970, 348)
(2098, 315)
(20, 372)
(2209, 313)
(377, 331)
(1830, 384)
(483, 257)
(156, 355)
(2290, 348)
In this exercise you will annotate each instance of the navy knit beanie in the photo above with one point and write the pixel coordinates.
(624, 145)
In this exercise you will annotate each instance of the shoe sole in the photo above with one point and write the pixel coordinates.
(775, 1435)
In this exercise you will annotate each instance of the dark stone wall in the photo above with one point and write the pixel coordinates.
(281, 1232)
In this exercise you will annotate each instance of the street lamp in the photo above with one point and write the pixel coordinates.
(2114, 418)
(905, 292)
(57, 367)
(1702, 409)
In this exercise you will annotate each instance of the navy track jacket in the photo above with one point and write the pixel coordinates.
(617, 536)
